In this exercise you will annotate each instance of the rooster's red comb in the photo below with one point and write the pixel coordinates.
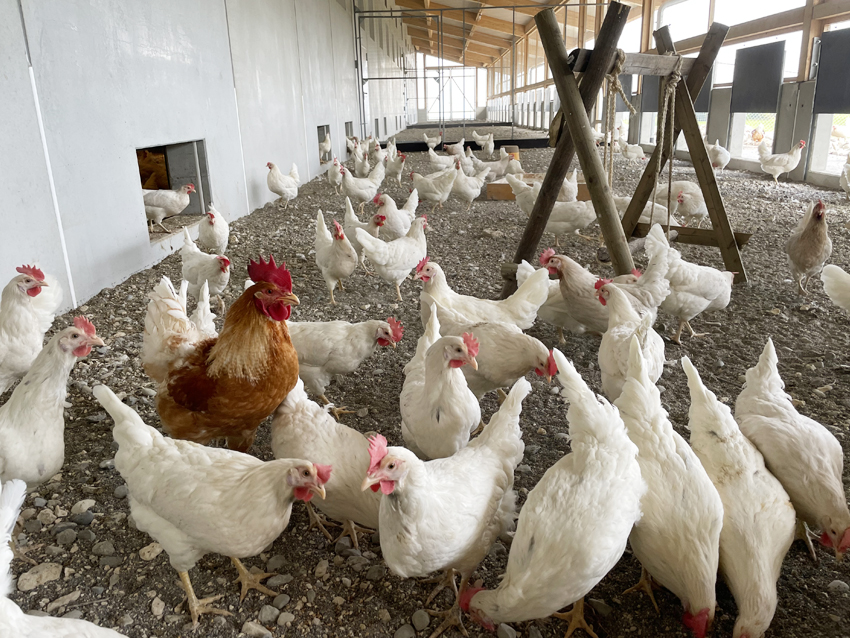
(323, 472)
(81, 323)
(271, 273)
(471, 344)
(637, 272)
(546, 255)
(377, 451)
(600, 282)
(396, 328)
(31, 271)
(421, 264)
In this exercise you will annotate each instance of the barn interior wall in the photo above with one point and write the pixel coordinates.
(253, 78)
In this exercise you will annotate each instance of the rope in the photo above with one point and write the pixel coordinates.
(668, 104)
(614, 89)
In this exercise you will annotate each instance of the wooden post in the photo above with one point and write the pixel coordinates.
(696, 78)
(591, 83)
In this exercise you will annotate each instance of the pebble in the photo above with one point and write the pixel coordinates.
(110, 561)
(405, 631)
(53, 551)
(281, 601)
(121, 491)
(534, 632)
(345, 581)
(421, 619)
(149, 552)
(562, 435)
(46, 516)
(357, 563)
(285, 618)
(157, 607)
(83, 506)
(37, 612)
(39, 575)
(66, 537)
(254, 629)
(84, 518)
(96, 418)
(108, 464)
(541, 431)
(27, 514)
(834, 618)
(554, 390)
(39, 502)
(86, 535)
(311, 595)
(74, 614)
(338, 600)
(268, 615)
(376, 572)
(599, 606)
(173, 618)
(63, 601)
(321, 569)
(523, 468)
(838, 586)
(148, 392)
(275, 563)
(103, 548)
(97, 591)
(363, 412)
(33, 527)
(342, 544)
(505, 631)
(126, 620)
(278, 581)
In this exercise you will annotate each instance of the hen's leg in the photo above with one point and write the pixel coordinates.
(677, 338)
(501, 395)
(337, 411)
(805, 535)
(398, 292)
(163, 227)
(20, 552)
(478, 429)
(317, 520)
(575, 616)
(561, 338)
(446, 579)
(694, 334)
(645, 584)
(333, 301)
(341, 287)
(557, 241)
(350, 529)
(198, 607)
(251, 581)
(451, 617)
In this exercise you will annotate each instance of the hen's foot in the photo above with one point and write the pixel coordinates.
(163, 227)
(645, 584)
(198, 607)
(251, 581)
(20, 552)
(350, 529)
(561, 338)
(451, 618)
(585, 237)
(502, 395)
(339, 411)
(694, 334)
(398, 293)
(806, 536)
(446, 579)
(478, 430)
(575, 616)
(317, 520)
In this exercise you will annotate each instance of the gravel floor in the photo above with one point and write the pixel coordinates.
(103, 570)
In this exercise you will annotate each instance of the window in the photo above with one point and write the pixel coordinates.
(168, 167)
(686, 18)
(732, 12)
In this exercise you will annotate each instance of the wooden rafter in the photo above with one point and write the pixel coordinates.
(471, 45)
(448, 29)
(457, 15)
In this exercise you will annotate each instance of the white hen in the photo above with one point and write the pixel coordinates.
(27, 307)
(335, 256)
(435, 187)
(806, 457)
(351, 223)
(718, 155)
(199, 267)
(398, 220)
(193, 499)
(447, 513)
(574, 525)
(836, 284)
(394, 260)
(758, 518)
(214, 232)
(285, 186)
(362, 189)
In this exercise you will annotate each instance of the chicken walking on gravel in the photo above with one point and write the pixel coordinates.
(809, 246)
(195, 500)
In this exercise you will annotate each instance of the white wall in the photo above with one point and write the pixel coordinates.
(253, 78)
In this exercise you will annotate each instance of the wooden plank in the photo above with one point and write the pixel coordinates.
(449, 29)
(687, 118)
(591, 83)
(696, 78)
(696, 236)
(775, 24)
(636, 63)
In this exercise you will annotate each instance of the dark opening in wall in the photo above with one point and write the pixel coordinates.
(325, 147)
(164, 171)
(349, 129)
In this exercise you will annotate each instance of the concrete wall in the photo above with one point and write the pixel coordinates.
(252, 78)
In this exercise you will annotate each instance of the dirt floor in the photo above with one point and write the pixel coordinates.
(324, 593)
(453, 133)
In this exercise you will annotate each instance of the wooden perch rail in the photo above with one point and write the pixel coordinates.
(635, 64)
(591, 83)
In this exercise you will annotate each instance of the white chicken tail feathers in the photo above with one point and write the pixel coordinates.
(655, 241)
(428, 338)
(706, 413)
(375, 249)
(411, 203)
(532, 294)
(764, 151)
(203, 317)
(836, 284)
(523, 271)
(644, 327)
(293, 173)
(592, 419)
(11, 501)
(296, 396)
(323, 235)
(764, 376)
(129, 429)
(639, 395)
(503, 431)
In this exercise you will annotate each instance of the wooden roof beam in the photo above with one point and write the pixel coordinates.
(449, 29)
(459, 15)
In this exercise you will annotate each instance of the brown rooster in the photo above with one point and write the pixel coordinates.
(224, 387)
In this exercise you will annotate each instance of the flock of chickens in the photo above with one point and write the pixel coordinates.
(732, 501)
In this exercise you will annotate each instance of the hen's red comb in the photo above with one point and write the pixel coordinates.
(377, 451)
(224, 260)
(271, 273)
(600, 282)
(338, 229)
(546, 255)
(637, 272)
(421, 264)
(81, 323)
(380, 219)
(553, 367)
(31, 271)
(323, 472)
(396, 328)
(471, 344)
(466, 597)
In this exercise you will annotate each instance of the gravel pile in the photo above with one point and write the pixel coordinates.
(92, 563)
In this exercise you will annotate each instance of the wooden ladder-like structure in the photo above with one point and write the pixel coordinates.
(576, 102)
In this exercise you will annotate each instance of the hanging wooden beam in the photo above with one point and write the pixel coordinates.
(636, 63)
(591, 83)
(696, 78)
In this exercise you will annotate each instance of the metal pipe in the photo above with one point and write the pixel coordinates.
(199, 176)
